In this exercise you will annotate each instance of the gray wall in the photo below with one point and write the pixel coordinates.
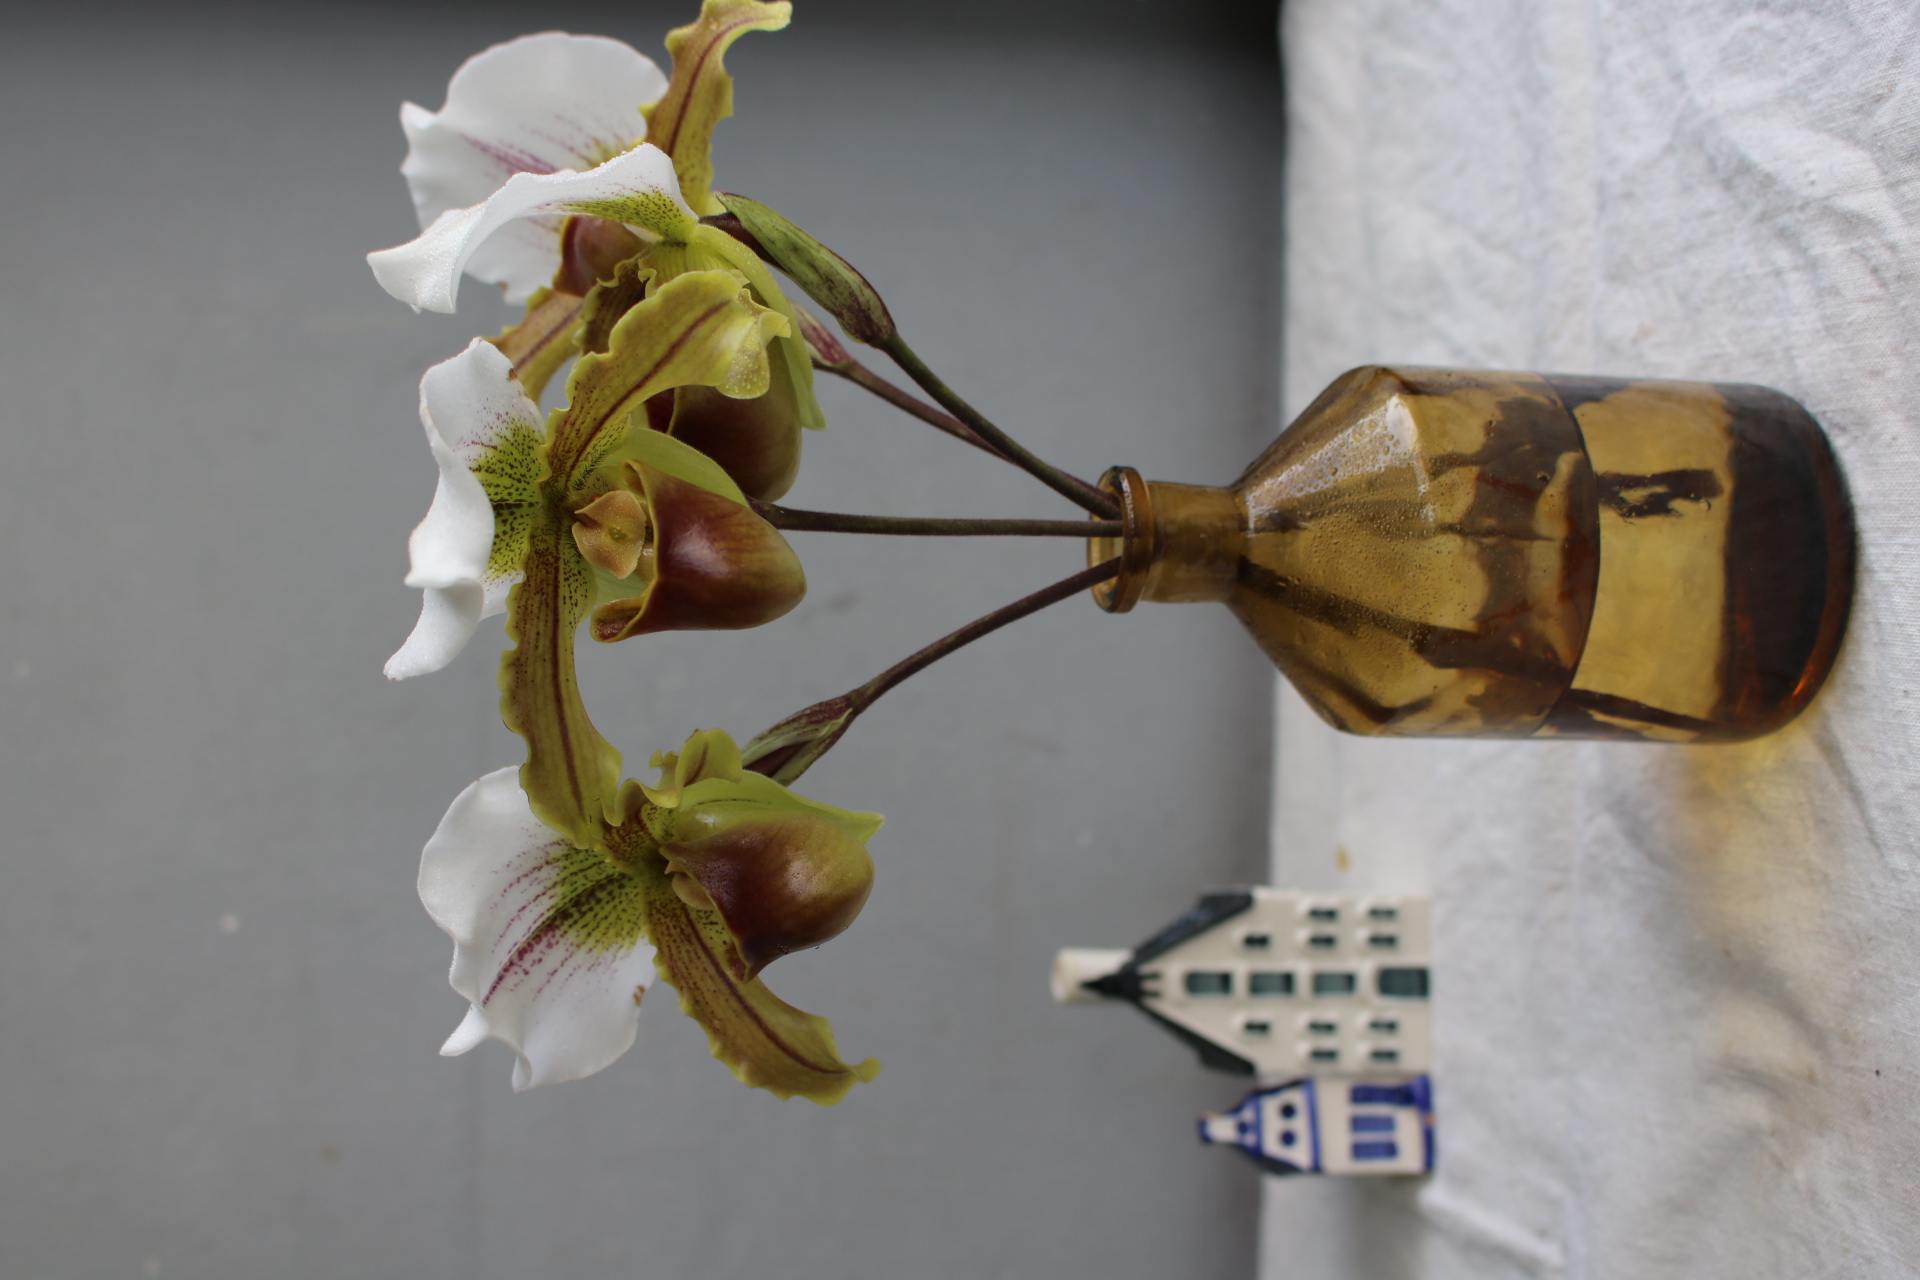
(219, 998)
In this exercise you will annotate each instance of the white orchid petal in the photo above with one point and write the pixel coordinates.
(522, 256)
(450, 546)
(471, 1031)
(538, 104)
(471, 407)
(448, 618)
(637, 187)
(542, 969)
(493, 601)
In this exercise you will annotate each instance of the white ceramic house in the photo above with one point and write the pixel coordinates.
(1274, 983)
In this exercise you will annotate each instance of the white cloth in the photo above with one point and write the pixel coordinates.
(1677, 989)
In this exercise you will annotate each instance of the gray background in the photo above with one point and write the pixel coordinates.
(219, 998)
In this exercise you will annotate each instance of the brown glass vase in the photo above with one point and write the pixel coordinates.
(1450, 552)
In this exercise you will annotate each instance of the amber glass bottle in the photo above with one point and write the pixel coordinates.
(1434, 551)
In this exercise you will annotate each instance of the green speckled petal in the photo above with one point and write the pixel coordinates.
(701, 328)
(708, 246)
(572, 774)
(700, 94)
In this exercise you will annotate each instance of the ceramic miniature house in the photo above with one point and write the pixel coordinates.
(1325, 996)
(1332, 1125)
(1275, 983)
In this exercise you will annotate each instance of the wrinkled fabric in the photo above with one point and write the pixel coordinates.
(1677, 989)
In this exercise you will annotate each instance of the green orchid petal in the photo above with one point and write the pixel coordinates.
(675, 457)
(712, 804)
(542, 342)
(709, 246)
(827, 278)
(609, 300)
(708, 753)
(710, 249)
(572, 774)
(756, 440)
(700, 94)
(699, 329)
(766, 1042)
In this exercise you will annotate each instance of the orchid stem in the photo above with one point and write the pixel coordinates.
(1072, 488)
(983, 433)
(932, 526)
(866, 694)
(861, 376)
(790, 748)
(843, 365)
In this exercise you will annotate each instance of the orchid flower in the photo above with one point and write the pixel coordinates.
(711, 874)
(535, 168)
(554, 882)
(559, 882)
(637, 522)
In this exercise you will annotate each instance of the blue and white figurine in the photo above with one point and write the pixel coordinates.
(1329, 1125)
(1327, 993)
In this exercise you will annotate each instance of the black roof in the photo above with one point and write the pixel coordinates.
(1125, 983)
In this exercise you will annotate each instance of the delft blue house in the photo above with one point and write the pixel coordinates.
(1326, 1124)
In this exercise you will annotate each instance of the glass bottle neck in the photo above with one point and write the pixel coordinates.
(1179, 543)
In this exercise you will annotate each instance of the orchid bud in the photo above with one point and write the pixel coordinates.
(789, 748)
(828, 278)
(822, 346)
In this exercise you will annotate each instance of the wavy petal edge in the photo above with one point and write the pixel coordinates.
(637, 188)
(470, 405)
